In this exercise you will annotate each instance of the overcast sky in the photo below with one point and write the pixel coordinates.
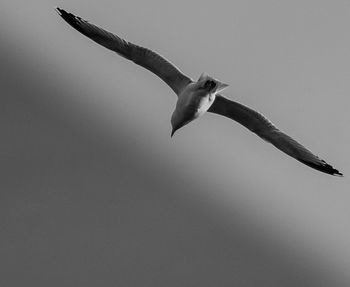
(93, 190)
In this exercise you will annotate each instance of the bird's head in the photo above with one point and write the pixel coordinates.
(210, 84)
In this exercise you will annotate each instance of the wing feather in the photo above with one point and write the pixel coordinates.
(261, 126)
(139, 55)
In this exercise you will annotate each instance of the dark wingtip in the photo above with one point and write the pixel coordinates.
(64, 14)
(324, 167)
(60, 11)
(71, 19)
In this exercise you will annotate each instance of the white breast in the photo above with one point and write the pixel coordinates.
(190, 105)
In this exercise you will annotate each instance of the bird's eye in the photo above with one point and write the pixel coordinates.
(209, 84)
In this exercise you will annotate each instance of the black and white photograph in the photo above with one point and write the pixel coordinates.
(175, 143)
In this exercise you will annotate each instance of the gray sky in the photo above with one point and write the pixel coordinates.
(95, 192)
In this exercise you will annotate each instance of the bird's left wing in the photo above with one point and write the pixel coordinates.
(258, 124)
(139, 55)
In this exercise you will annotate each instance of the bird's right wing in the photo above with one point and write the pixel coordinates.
(258, 124)
(141, 56)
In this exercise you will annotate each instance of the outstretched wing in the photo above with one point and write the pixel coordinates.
(139, 55)
(258, 124)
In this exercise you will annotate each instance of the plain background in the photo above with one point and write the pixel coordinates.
(94, 192)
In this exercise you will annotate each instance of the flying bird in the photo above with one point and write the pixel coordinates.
(195, 98)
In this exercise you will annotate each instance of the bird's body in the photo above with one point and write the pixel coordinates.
(190, 105)
(195, 98)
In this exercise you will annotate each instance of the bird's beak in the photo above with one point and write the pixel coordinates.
(221, 86)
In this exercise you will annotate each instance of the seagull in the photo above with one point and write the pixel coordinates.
(195, 98)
